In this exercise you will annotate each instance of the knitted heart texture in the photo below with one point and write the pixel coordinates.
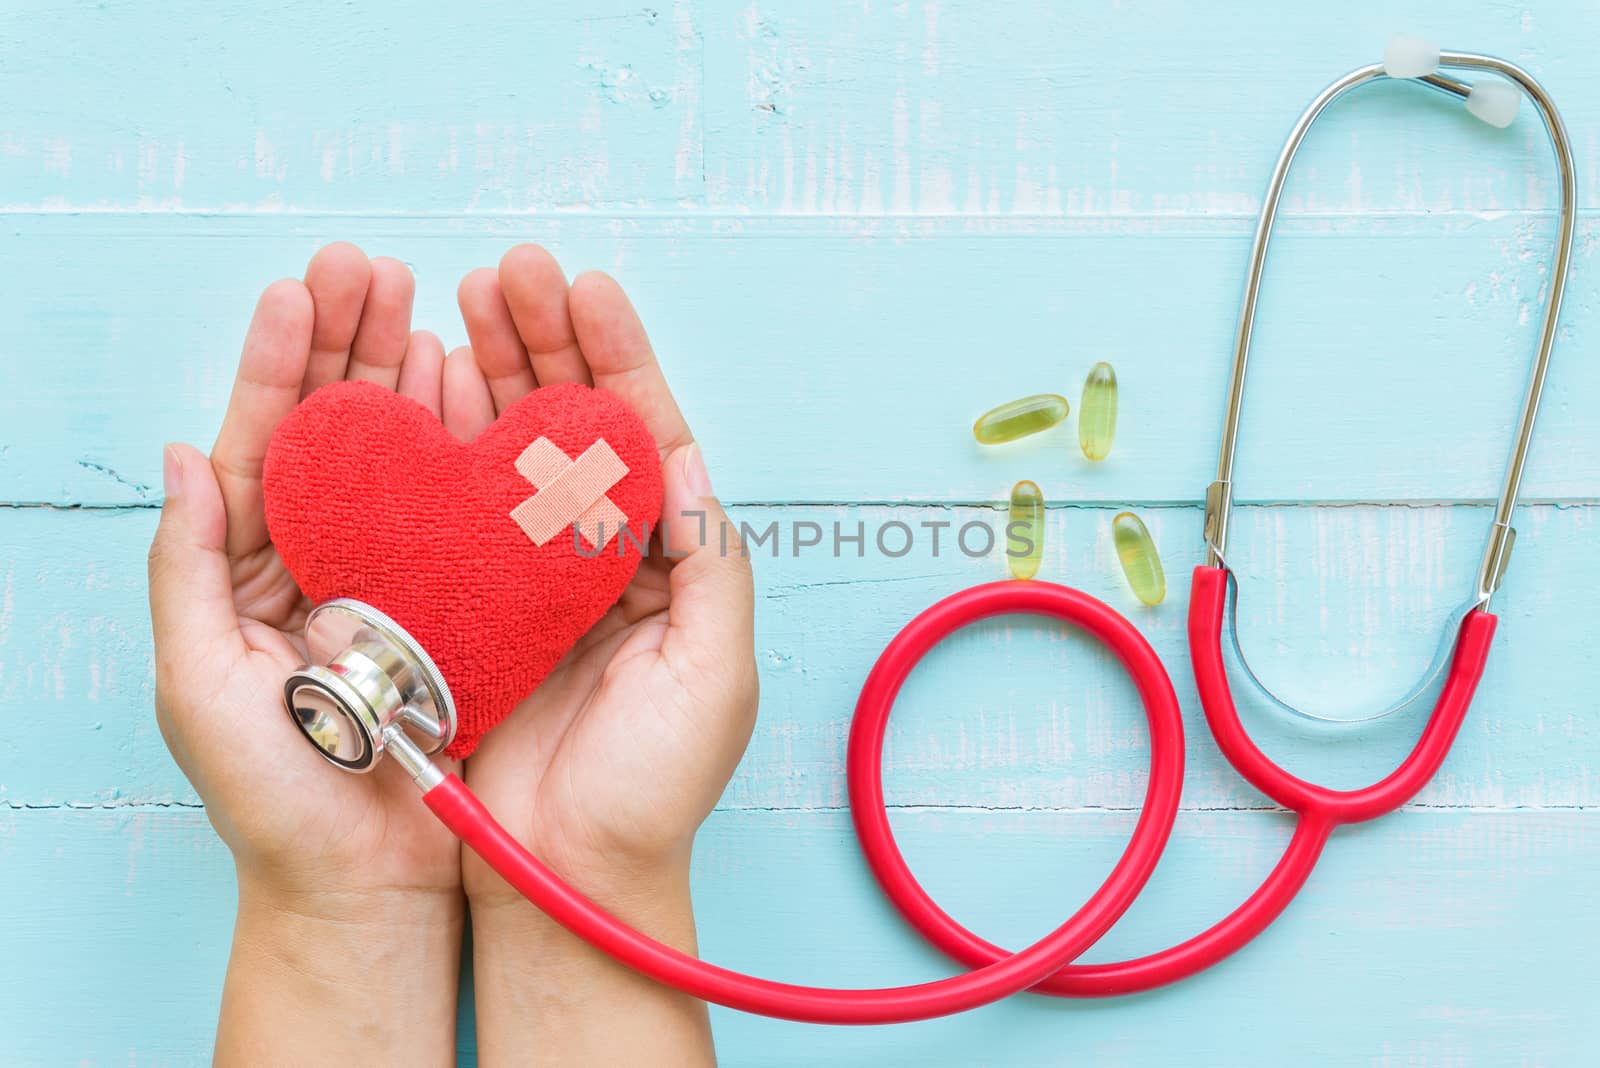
(485, 551)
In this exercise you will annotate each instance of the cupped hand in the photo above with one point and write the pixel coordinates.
(227, 614)
(610, 766)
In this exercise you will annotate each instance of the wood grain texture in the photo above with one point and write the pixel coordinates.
(1391, 353)
(238, 107)
(1416, 942)
(956, 107)
(1118, 108)
(851, 228)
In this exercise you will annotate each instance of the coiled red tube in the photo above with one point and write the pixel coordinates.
(1044, 966)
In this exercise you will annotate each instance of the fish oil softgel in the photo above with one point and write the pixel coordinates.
(1140, 562)
(1025, 530)
(1097, 412)
(1019, 418)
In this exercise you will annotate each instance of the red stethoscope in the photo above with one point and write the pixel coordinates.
(373, 683)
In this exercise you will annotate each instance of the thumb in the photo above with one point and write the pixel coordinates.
(191, 590)
(711, 617)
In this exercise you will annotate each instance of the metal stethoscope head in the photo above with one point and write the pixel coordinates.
(369, 688)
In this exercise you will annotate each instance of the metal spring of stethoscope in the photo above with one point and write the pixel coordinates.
(372, 683)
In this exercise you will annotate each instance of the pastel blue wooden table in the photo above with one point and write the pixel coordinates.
(851, 229)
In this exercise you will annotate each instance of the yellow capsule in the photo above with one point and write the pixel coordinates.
(1097, 412)
(1019, 418)
(1140, 562)
(1025, 530)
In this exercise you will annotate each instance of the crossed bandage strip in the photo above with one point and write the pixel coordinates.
(570, 492)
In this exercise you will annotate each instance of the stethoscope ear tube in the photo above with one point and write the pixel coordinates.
(1494, 100)
(1206, 606)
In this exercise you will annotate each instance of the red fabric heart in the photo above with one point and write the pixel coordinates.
(368, 496)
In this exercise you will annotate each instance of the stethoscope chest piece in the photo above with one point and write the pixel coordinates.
(367, 681)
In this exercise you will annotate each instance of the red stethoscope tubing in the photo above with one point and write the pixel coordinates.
(1320, 810)
(1042, 967)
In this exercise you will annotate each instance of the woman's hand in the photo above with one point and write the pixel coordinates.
(608, 769)
(350, 908)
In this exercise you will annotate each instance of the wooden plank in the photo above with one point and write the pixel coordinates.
(1133, 107)
(1430, 937)
(233, 107)
(962, 106)
(845, 361)
(1342, 609)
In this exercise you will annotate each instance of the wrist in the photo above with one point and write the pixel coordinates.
(537, 986)
(613, 876)
(306, 921)
(400, 941)
(316, 976)
(312, 894)
(653, 897)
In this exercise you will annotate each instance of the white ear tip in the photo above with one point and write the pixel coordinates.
(1406, 56)
(1495, 101)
